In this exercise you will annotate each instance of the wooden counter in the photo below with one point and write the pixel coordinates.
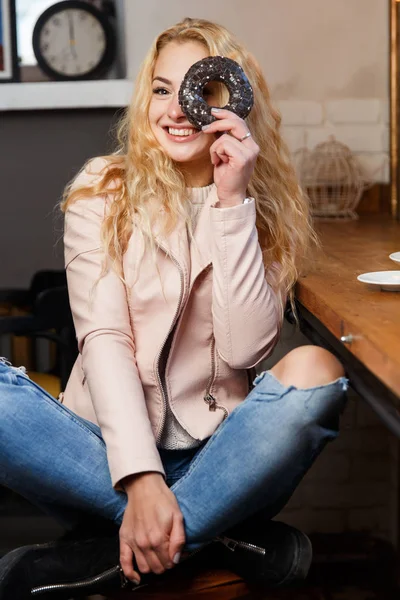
(345, 306)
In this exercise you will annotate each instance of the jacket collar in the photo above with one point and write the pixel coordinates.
(200, 246)
(193, 256)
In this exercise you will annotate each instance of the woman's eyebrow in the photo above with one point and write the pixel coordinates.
(167, 81)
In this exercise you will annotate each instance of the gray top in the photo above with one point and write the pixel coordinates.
(174, 436)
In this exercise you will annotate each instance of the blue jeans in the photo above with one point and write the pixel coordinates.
(251, 464)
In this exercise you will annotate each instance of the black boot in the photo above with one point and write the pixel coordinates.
(274, 555)
(271, 554)
(62, 569)
(71, 568)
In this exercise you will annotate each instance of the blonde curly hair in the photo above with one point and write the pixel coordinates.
(144, 179)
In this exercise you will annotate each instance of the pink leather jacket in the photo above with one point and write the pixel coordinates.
(212, 293)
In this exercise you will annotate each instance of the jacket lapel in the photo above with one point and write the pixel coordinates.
(192, 255)
(176, 245)
(200, 246)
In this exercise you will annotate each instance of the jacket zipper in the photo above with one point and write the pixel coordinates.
(208, 397)
(161, 383)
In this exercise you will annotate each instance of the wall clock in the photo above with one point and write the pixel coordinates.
(73, 40)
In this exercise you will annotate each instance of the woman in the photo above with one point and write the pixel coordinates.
(181, 249)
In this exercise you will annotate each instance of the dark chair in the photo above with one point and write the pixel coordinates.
(49, 318)
(16, 302)
(24, 299)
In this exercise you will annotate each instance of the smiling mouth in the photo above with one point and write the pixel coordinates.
(186, 132)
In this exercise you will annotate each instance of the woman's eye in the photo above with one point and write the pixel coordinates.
(160, 91)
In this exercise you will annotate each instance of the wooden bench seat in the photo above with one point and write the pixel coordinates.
(203, 583)
(193, 583)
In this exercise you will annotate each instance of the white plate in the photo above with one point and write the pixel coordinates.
(395, 256)
(386, 280)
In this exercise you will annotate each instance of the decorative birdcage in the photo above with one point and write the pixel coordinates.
(332, 179)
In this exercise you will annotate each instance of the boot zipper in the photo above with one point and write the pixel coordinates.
(102, 578)
(194, 552)
(208, 397)
(233, 544)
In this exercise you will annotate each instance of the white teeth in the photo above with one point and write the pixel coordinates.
(181, 132)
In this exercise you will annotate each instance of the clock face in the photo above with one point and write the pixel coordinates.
(73, 41)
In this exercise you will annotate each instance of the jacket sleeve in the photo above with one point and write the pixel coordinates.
(246, 310)
(105, 340)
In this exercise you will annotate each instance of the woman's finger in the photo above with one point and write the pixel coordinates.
(237, 128)
(141, 562)
(126, 561)
(223, 113)
(153, 547)
(177, 538)
(226, 149)
(153, 559)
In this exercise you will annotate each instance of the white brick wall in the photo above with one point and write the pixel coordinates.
(363, 125)
(353, 111)
(301, 112)
(376, 165)
(295, 137)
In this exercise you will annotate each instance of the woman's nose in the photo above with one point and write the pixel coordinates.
(174, 108)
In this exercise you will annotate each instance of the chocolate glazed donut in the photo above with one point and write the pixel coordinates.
(214, 68)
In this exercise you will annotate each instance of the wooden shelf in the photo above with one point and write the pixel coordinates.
(54, 95)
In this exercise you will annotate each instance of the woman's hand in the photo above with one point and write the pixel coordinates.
(233, 160)
(152, 528)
